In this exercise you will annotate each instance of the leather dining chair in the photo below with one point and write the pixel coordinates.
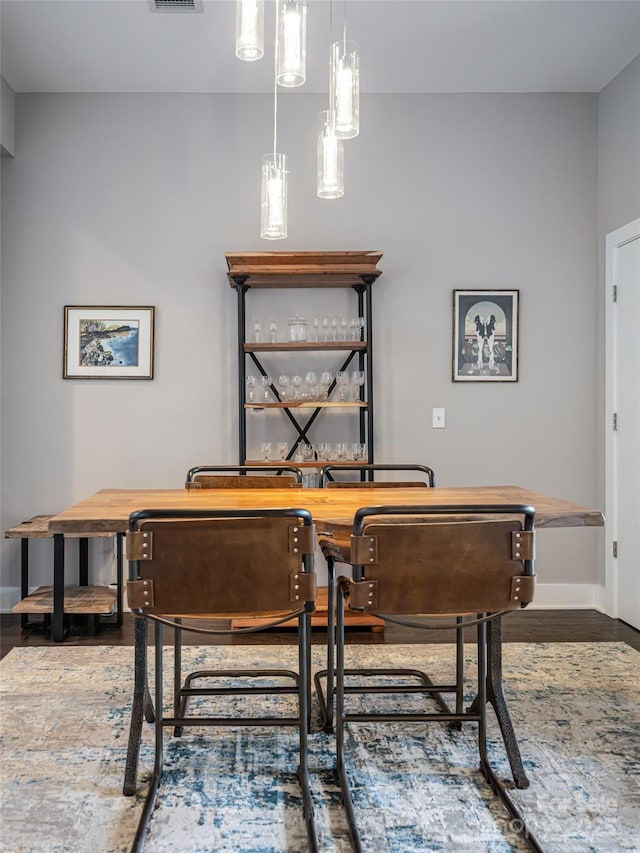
(413, 563)
(336, 550)
(244, 477)
(179, 569)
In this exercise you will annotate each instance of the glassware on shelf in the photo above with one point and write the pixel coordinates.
(256, 331)
(296, 381)
(251, 384)
(307, 453)
(265, 450)
(316, 329)
(342, 378)
(357, 380)
(334, 328)
(311, 381)
(265, 381)
(357, 452)
(360, 325)
(283, 384)
(353, 327)
(342, 451)
(344, 329)
(326, 378)
(283, 449)
(297, 329)
(273, 331)
(324, 451)
(326, 327)
(299, 454)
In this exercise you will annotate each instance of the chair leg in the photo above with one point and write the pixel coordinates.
(150, 801)
(179, 700)
(141, 707)
(304, 710)
(326, 699)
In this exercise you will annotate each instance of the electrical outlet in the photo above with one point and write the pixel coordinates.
(437, 418)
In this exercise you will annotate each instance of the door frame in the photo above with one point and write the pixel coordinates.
(614, 240)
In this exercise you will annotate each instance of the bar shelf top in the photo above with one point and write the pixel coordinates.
(302, 269)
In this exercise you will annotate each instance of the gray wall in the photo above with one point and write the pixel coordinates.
(133, 199)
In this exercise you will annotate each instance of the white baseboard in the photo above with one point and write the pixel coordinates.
(549, 596)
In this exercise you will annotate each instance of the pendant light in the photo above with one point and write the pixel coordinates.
(330, 157)
(249, 29)
(273, 207)
(292, 35)
(344, 84)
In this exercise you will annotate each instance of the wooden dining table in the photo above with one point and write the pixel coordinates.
(333, 509)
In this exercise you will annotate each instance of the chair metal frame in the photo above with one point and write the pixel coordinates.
(301, 679)
(191, 480)
(477, 712)
(326, 697)
(367, 475)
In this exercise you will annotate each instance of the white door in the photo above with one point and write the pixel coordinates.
(623, 422)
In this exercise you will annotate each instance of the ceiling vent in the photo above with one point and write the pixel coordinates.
(175, 5)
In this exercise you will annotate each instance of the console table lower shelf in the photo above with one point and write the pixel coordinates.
(319, 618)
(77, 599)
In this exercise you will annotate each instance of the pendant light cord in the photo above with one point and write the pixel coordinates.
(275, 83)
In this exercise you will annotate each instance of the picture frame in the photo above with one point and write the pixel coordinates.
(485, 335)
(108, 342)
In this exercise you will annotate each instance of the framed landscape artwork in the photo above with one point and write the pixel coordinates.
(485, 335)
(108, 342)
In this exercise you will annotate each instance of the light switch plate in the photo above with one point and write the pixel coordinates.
(437, 418)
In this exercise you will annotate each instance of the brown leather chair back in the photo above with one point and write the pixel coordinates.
(244, 477)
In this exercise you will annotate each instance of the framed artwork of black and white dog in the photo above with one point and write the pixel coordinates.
(485, 335)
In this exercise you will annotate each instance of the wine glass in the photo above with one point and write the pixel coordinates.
(334, 328)
(326, 325)
(324, 451)
(311, 381)
(353, 326)
(265, 381)
(283, 449)
(344, 327)
(357, 380)
(326, 378)
(273, 331)
(296, 381)
(360, 326)
(251, 384)
(342, 378)
(265, 450)
(316, 329)
(256, 331)
(283, 384)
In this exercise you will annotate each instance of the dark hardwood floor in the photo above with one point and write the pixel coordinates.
(528, 626)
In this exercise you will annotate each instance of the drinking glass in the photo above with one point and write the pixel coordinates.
(360, 325)
(296, 381)
(283, 449)
(324, 451)
(342, 378)
(326, 325)
(273, 331)
(311, 381)
(342, 451)
(344, 327)
(334, 328)
(357, 380)
(316, 329)
(357, 452)
(265, 450)
(256, 331)
(307, 453)
(283, 384)
(353, 326)
(326, 378)
(251, 384)
(265, 381)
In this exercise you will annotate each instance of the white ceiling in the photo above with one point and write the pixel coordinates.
(406, 45)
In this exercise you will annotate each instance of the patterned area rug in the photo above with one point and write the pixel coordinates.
(575, 706)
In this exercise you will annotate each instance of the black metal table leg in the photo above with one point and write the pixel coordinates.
(83, 561)
(119, 581)
(57, 626)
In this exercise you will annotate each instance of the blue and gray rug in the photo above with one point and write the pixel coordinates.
(576, 708)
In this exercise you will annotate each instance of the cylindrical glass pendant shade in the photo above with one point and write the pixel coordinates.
(344, 88)
(249, 29)
(292, 43)
(330, 157)
(273, 220)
